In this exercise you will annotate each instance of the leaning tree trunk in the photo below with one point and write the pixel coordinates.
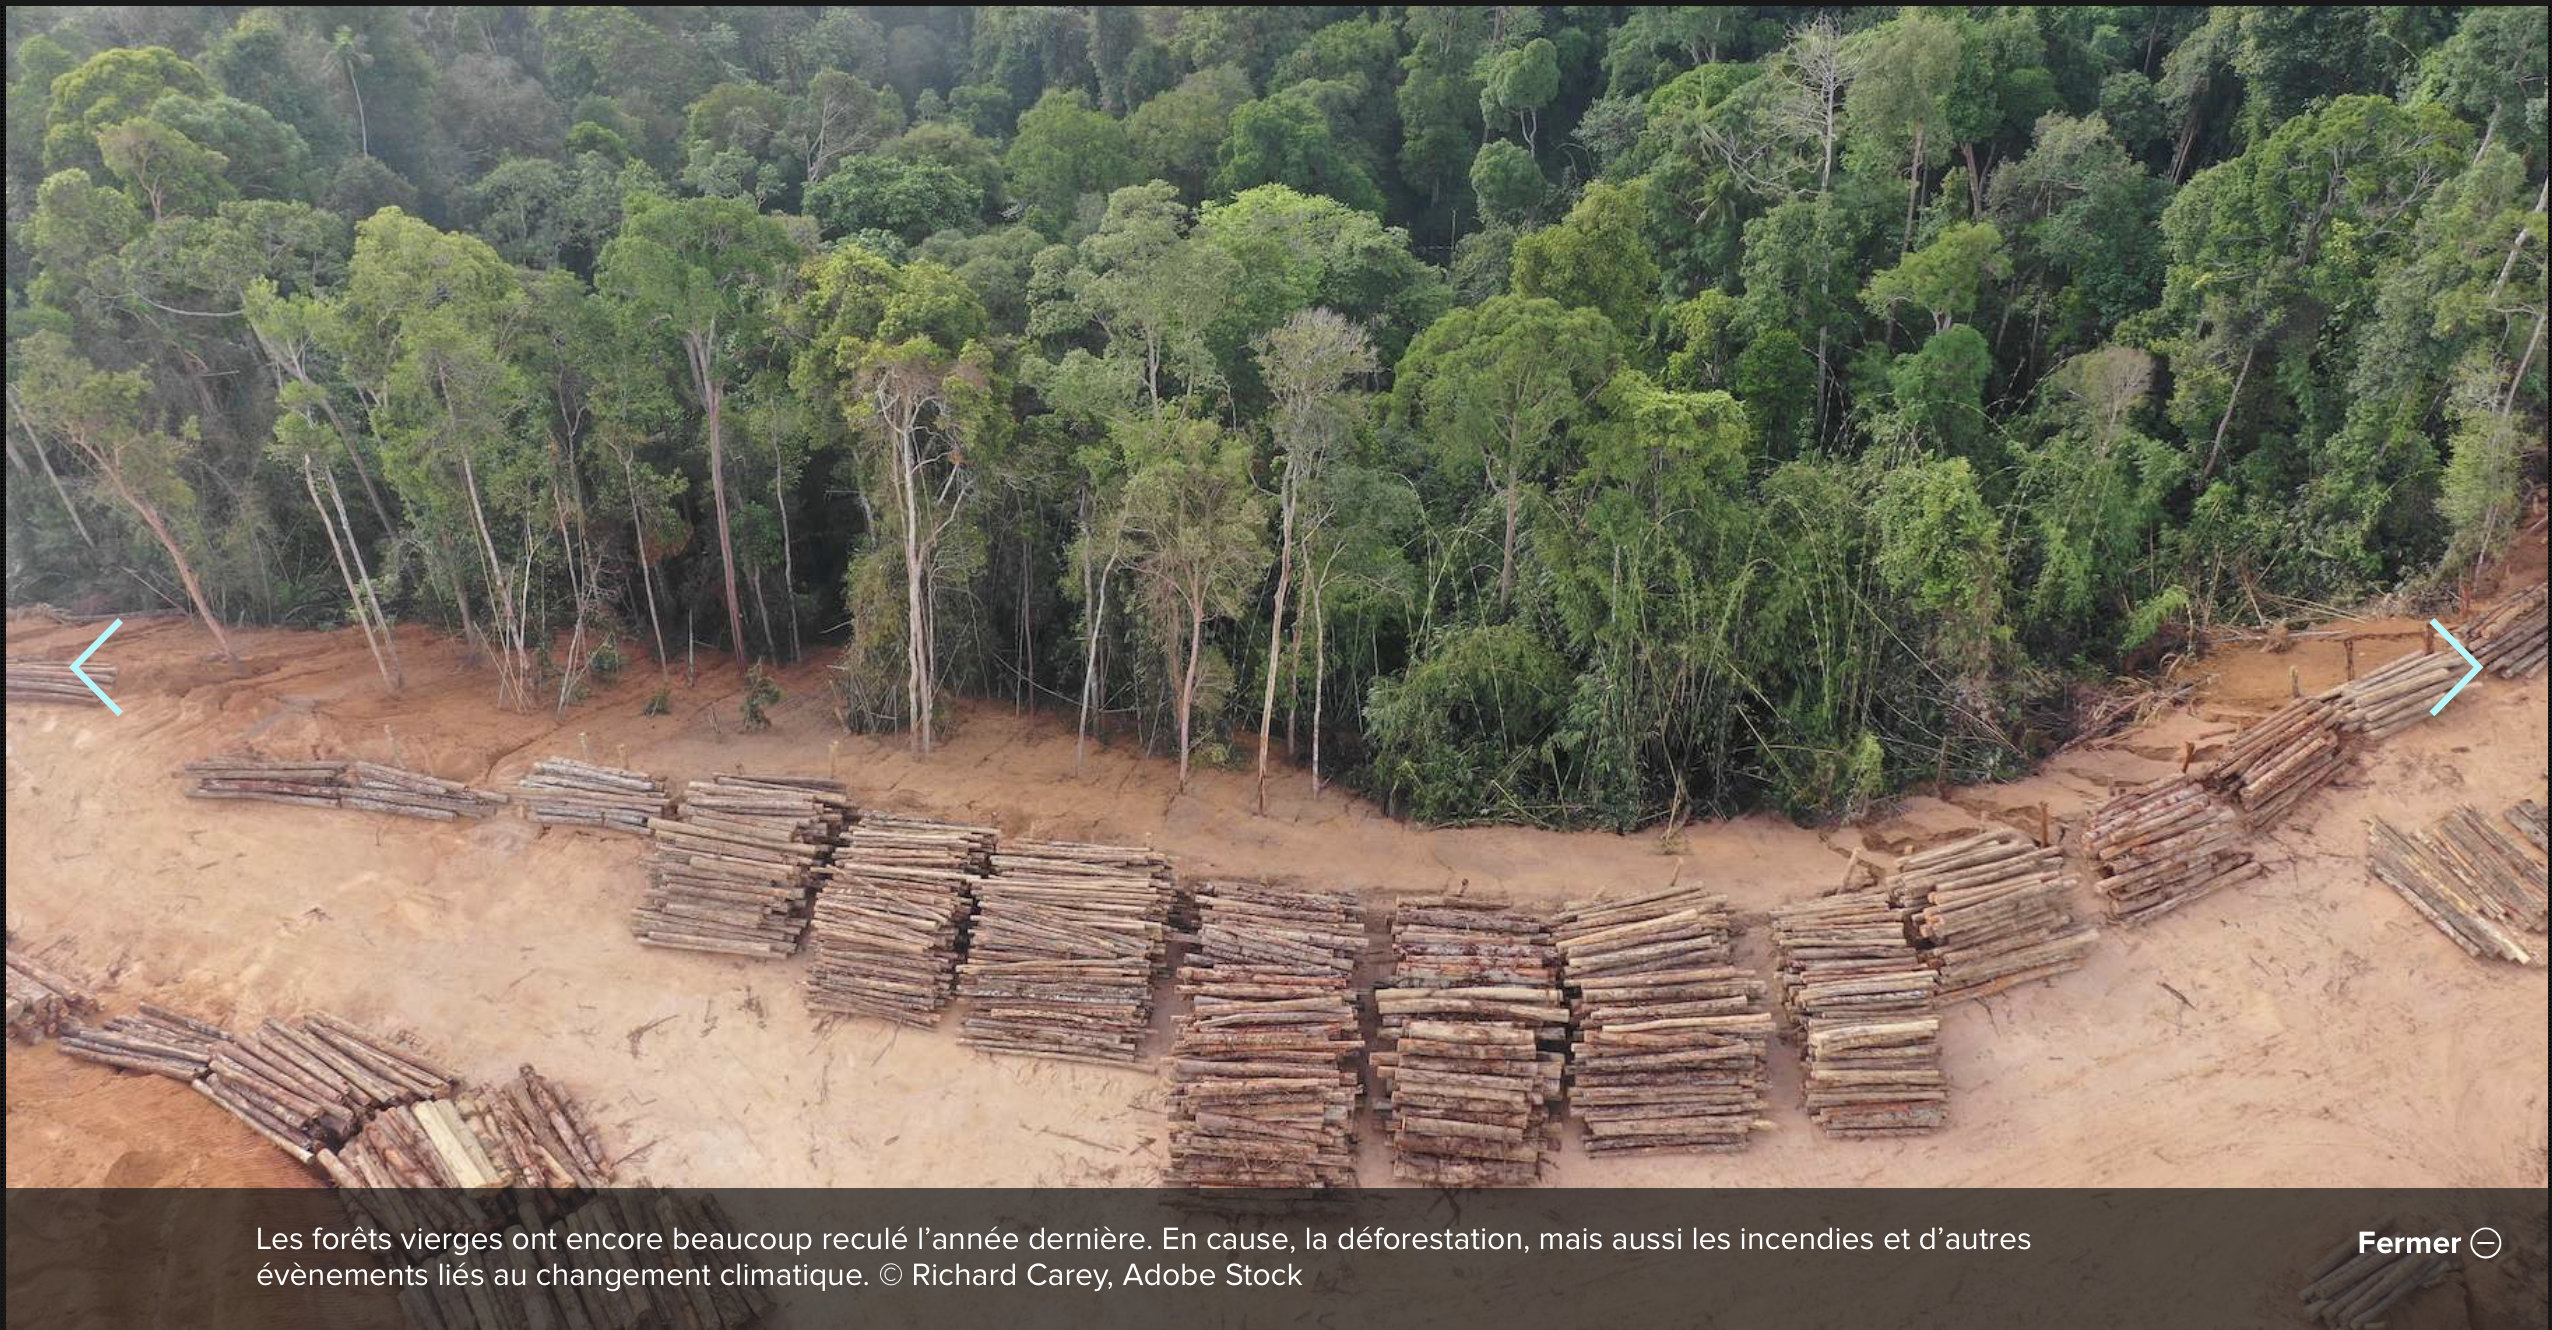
(185, 571)
(362, 615)
(646, 578)
(713, 398)
(1276, 635)
(389, 642)
(1187, 689)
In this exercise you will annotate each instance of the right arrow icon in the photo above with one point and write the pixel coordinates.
(2467, 674)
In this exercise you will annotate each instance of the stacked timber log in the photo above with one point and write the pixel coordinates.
(155, 1040)
(41, 998)
(315, 784)
(563, 792)
(1863, 1001)
(2469, 890)
(888, 917)
(2527, 818)
(2272, 765)
(52, 681)
(310, 1084)
(2509, 640)
(614, 1252)
(735, 872)
(369, 786)
(1263, 1076)
(376, 788)
(2351, 1288)
(2396, 697)
(1065, 941)
(1991, 912)
(1671, 1038)
(2162, 845)
(1476, 1027)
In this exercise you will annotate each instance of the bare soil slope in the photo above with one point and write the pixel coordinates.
(2307, 1029)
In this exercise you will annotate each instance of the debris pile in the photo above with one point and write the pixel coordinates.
(2468, 880)
(1263, 1076)
(1476, 1026)
(52, 681)
(1863, 1000)
(2162, 845)
(888, 917)
(1671, 1039)
(1066, 939)
(735, 872)
(1991, 912)
(567, 793)
(155, 1040)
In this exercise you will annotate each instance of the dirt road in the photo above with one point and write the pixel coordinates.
(2308, 1029)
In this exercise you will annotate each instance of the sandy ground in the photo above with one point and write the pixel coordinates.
(2307, 1030)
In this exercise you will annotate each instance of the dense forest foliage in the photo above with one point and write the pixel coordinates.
(1571, 414)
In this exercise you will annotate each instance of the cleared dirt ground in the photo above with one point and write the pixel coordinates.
(2307, 1029)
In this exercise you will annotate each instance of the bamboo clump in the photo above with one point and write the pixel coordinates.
(1991, 912)
(2162, 845)
(2476, 887)
(2350, 1290)
(41, 998)
(889, 915)
(563, 792)
(155, 1040)
(1477, 1029)
(1263, 1074)
(52, 681)
(1065, 941)
(734, 872)
(1671, 1038)
(1863, 1000)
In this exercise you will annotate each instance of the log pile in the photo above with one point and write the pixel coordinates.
(2396, 697)
(41, 998)
(1065, 941)
(1991, 912)
(2458, 881)
(735, 872)
(2509, 640)
(2527, 818)
(619, 1234)
(309, 1085)
(2272, 765)
(1476, 1027)
(155, 1040)
(1863, 1000)
(888, 917)
(315, 784)
(1671, 1038)
(2162, 845)
(566, 793)
(371, 787)
(376, 788)
(2349, 1289)
(1263, 1076)
(52, 681)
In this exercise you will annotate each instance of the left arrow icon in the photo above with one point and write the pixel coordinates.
(84, 674)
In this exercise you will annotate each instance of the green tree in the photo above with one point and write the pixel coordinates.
(1065, 151)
